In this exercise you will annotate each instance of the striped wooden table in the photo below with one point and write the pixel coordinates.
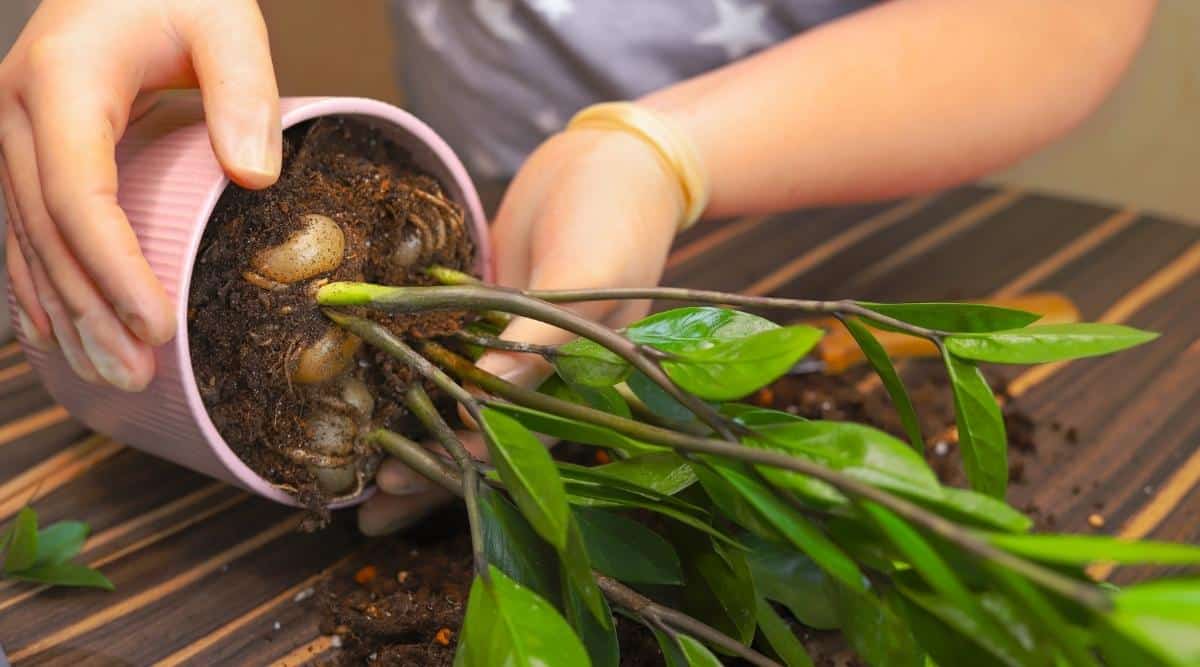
(206, 574)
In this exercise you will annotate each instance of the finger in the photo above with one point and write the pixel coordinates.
(78, 313)
(34, 322)
(75, 138)
(384, 514)
(232, 59)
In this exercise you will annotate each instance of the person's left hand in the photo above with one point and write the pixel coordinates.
(588, 209)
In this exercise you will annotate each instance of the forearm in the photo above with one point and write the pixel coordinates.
(911, 96)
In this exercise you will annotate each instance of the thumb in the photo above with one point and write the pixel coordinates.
(231, 57)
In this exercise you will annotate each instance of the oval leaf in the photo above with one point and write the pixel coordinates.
(64, 574)
(1044, 344)
(981, 435)
(780, 637)
(626, 550)
(508, 624)
(785, 575)
(664, 472)
(585, 362)
(511, 544)
(878, 357)
(530, 476)
(953, 317)
(21, 549)
(60, 542)
(729, 369)
(565, 428)
(1087, 549)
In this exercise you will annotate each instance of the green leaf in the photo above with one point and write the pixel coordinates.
(975, 508)
(864, 453)
(734, 505)
(606, 399)
(60, 542)
(780, 637)
(1042, 614)
(955, 638)
(875, 629)
(626, 550)
(601, 642)
(577, 568)
(530, 476)
(587, 363)
(695, 327)
(956, 317)
(22, 549)
(1155, 622)
(695, 653)
(658, 401)
(981, 435)
(923, 558)
(512, 545)
(63, 574)
(719, 590)
(878, 357)
(1087, 549)
(732, 368)
(795, 527)
(1043, 344)
(571, 430)
(672, 653)
(664, 472)
(508, 624)
(787, 576)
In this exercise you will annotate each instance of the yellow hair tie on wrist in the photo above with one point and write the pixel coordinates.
(677, 151)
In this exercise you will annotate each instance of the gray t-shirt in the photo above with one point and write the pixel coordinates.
(496, 77)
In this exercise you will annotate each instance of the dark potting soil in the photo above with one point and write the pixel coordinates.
(247, 334)
(402, 603)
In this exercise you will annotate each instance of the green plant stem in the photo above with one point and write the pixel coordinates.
(478, 297)
(841, 306)
(426, 463)
(495, 343)
(419, 403)
(1082, 593)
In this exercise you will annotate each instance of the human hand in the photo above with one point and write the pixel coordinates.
(77, 75)
(588, 209)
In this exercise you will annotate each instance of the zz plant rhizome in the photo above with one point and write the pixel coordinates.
(754, 511)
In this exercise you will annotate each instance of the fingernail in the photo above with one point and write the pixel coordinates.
(78, 361)
(109, 362)
(31, 334)
(258, 151)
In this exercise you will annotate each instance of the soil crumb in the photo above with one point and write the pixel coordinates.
(281, 384)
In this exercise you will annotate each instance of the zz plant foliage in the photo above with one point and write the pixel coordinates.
(717, 519)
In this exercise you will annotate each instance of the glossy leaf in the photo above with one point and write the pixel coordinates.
(601, 641)
(734, 506)
(1159, 620)
(1043, 344)
(864, 453)
(981, 436)
(1087, 549)
(719, 590)
(920, 555)
(954, 317)
(695, 653)
(780, 637)
(793, 526)
(664, 472)
(587, 363)
(511, 544)
(627, 550)
(60, 542)
(658, 401)
(875, 629)
(577, 568)
(784, 575)
(954, 638)
(732, 368)
(564, 428)
(530, 476)
(605, 399)
(21, 548)
(1043, 615)
(508, 624)
(878, 357)
(695, 327)
(63, 574)
(672, 653)
(587, 495)
(977, 509)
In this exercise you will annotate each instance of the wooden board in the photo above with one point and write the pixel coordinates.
(207, 574)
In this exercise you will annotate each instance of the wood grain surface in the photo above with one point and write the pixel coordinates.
(206, 574)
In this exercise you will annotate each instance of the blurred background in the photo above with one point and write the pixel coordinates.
(1141, 150)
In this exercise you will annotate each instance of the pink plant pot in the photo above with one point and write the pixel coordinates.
(169, 183)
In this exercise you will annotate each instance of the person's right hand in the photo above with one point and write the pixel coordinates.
(72, 82)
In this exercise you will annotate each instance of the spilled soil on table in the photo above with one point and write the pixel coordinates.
(402, 602)
(289, 392)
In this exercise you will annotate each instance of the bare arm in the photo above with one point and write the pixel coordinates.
(910, 96)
